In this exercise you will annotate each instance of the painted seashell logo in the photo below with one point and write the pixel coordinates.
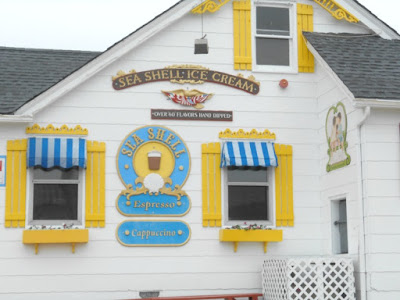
(153, 162)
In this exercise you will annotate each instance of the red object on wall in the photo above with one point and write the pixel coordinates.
(283, 83)
(1, 165)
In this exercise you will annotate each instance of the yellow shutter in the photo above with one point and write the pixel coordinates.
(16, 183)
(211, 184)
(242, 34)
(95, 184)
(304, 23)
(284, 186)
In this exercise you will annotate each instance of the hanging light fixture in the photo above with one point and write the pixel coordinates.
(201, 45)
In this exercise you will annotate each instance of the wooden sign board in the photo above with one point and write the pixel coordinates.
(185, 74)
(153, 233)
(203, 115)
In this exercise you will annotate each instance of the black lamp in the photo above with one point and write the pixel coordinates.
(201, 46)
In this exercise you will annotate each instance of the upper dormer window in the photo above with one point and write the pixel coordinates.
(273, 37)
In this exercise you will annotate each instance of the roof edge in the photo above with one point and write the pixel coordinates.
(107, 57)
(16, 118)
(370, 19)
(329, 70)
(377, 103)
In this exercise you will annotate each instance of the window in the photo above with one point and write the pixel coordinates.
(249, 195)
(53, 177)
(274, 35)
(339, 227)
(55, 196)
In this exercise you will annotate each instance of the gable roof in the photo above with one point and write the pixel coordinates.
(25, 73)
(24, 103)
(368, 65)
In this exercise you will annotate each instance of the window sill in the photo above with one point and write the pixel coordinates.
(239, 235)
(275, 70)
(55, 236)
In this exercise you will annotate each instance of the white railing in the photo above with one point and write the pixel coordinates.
(321, 278)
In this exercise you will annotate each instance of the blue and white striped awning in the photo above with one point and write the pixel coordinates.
(56, 152)
(251, 154)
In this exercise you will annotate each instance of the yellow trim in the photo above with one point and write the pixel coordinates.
(241, 235)
(204, 183)
(102, 195)
(218, 201)
(211, 184)
(337, 11)
(241, 134)
(304, 23)
(209, 5)
(55, 236)
(89, 186)
(284, 186)
(95, 184)
(50, 129)
(211, 180)
(242, 35)
(16, 183)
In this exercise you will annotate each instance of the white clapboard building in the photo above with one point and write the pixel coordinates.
(145, 168)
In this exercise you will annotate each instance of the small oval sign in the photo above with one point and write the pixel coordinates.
(153, 233)
(155, 205)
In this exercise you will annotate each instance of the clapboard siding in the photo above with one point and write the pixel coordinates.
(122, 294)
(376, 295)
(388, 262)
(382, 176)
(383, 206)
(340, 183)
(383, 243)
(195, 248)
(385, 282)
(386, 225)
(138, 282)
(103, 268)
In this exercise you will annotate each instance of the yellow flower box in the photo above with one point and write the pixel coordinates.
(252, 235)
(55, 236)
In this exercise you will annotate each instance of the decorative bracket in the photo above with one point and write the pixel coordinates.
(209, 5)
(50, 129)
(241, 134)
(337, 11)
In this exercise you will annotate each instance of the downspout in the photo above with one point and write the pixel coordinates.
(362, 240)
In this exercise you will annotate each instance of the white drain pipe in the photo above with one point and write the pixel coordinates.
(362, 239)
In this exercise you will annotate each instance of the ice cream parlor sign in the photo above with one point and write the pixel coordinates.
(153, 163)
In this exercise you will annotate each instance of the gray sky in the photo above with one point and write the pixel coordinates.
(97, 24)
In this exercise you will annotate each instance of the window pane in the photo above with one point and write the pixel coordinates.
(248, 174)
(272, 52)
(344, 248)
(273, 20)
(56, 174)
(248, 203)
(55, 202)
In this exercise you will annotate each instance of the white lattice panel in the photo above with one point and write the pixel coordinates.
(319, 278)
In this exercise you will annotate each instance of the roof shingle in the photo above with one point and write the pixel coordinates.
(26, 73)
(368, 65)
